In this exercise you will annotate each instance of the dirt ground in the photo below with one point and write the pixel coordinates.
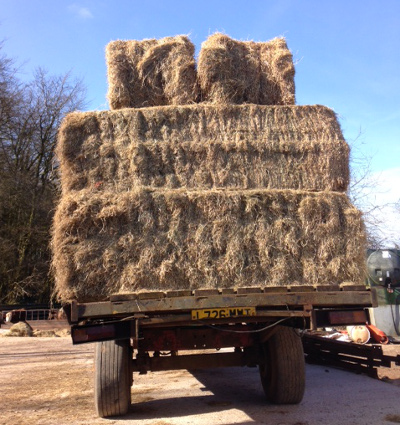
(49, 381)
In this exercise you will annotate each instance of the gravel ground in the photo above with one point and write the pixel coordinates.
(49, 381)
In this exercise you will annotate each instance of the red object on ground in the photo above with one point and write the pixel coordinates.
(377, 334)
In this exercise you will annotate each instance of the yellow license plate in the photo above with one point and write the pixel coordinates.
(222, 313)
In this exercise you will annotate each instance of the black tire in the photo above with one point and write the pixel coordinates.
(112, 389)
(283, 371)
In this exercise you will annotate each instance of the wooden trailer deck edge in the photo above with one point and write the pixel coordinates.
(184, 301)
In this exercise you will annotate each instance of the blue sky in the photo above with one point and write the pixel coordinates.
(346, 52)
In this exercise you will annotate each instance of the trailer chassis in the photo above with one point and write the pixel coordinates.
(156, 331)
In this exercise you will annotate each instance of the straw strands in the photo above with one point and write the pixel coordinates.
(242, 189)
(163, 72)
(151, 72)
(231, 71)
(170, 239)
(203, 147)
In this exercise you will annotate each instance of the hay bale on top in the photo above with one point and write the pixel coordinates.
(276, 73)
(106, 243)
(228, 70)
(203, 147)
(151, 72)
(231, 71)
(125, 88)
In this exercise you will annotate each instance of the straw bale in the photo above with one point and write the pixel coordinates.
(204, 146)
(107, 242)
(20, 329)
(151, 72)
(231, 71)
(45, 333)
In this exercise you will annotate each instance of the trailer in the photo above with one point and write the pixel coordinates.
(208, 328)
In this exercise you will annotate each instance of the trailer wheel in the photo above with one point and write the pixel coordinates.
(283, 371)
(112, 389)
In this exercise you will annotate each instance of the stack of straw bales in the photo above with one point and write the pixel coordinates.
(208, 195)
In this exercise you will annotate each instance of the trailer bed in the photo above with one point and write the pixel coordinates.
(306, 306)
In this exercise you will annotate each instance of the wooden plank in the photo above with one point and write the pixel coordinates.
(326, 288)
(205, 292)
(181, 293)
(251, 290)
(274, 289)
(150, 295)
(301, 288)
(123, 297)
(226, 291)
(349, 286)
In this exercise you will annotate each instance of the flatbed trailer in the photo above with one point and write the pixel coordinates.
(208, 328)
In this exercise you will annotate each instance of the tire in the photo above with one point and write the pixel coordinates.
(112, 389)
(283, 371)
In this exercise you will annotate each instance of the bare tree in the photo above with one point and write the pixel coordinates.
(363, 191)
(30, 115)
(366, 192)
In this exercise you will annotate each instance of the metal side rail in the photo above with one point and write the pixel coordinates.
(347, 355)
